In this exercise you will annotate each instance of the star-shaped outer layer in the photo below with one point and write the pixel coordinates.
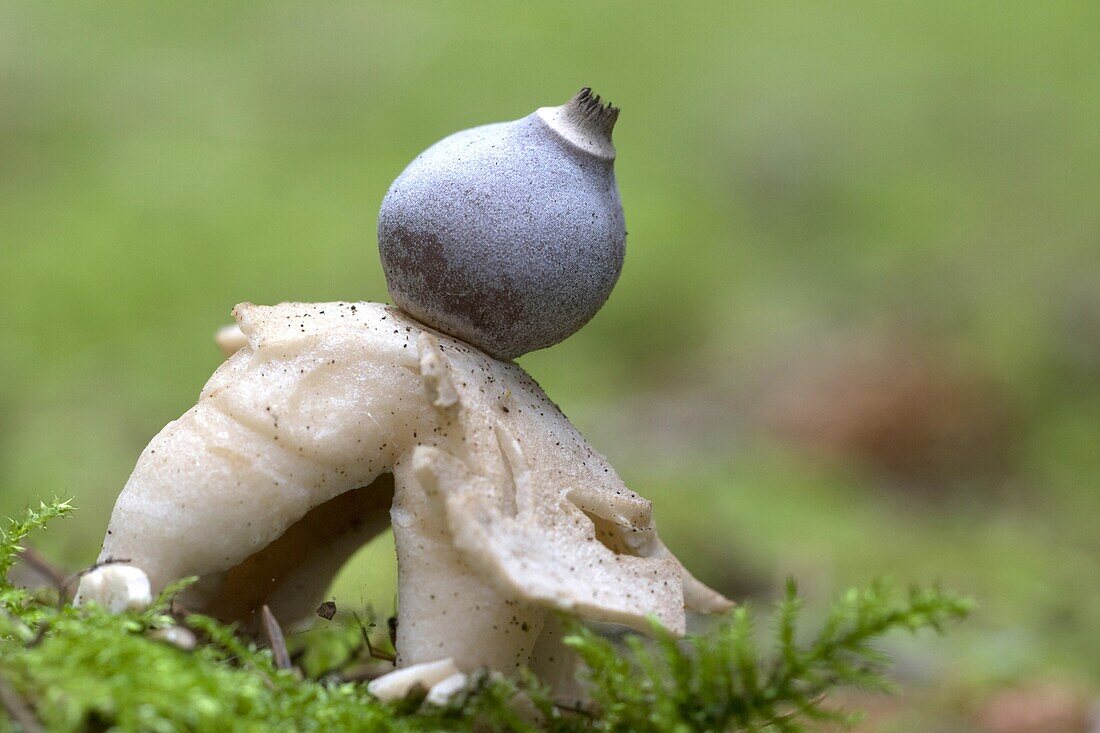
(501, 510)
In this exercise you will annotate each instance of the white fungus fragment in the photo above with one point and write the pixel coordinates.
(230, 339)
(117, 587)
(397, 685)
(442, 692)
(178, 636)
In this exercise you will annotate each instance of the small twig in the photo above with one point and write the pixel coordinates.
(374, 653)
(17, 709)
(39, 635)
(379, 654)
(34, 559)
(584, 712)
(180, 610)
(275, 639)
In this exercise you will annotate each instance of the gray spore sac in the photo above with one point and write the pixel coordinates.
(509, 236)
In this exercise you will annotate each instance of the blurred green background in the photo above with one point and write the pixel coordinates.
(858, 330)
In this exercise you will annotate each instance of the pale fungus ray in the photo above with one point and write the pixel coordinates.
(501, 510)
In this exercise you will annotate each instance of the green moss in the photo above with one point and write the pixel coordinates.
(86, 669)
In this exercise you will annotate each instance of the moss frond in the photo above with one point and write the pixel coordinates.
(85, 669)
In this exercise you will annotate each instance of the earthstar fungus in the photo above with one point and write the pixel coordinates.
(509, 236)
(330, 422)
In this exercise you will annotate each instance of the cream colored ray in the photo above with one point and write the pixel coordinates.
(329, 412)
